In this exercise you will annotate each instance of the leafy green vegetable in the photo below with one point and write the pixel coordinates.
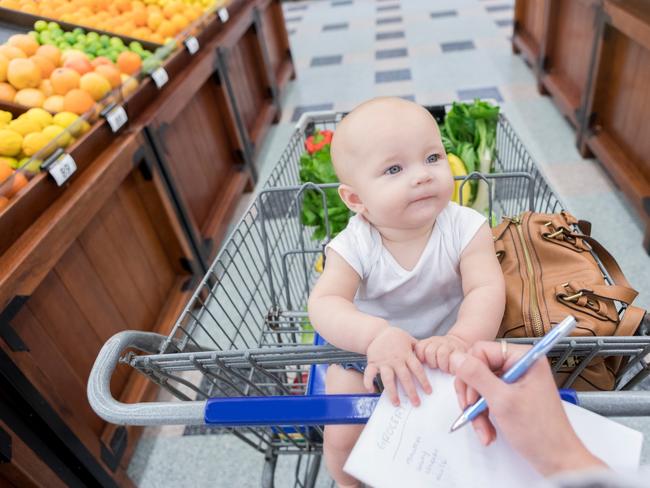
(469, 131)
(317, 168)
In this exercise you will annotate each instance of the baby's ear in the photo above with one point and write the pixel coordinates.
(350, 198)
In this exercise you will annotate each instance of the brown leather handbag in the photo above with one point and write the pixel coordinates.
(551, 273)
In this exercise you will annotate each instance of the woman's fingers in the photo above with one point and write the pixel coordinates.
(484, 428)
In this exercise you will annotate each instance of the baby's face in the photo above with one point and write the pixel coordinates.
(400, 172)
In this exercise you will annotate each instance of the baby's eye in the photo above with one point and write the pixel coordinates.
(433, 158)
(393, 170)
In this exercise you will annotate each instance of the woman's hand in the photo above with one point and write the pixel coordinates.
(529, 412)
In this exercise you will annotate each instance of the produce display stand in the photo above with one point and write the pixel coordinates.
(109, 256)
(593, 58)
(119, 245)
(529, 30)
(616, 127)
(566, 52)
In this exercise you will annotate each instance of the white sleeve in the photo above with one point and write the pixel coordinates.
(347, 246)
(466, 223)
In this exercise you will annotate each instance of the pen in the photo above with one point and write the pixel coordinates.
(520, 367)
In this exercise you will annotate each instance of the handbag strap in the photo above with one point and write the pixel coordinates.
(630, 323)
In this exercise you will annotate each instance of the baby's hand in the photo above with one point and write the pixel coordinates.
(391, 355)
(435, 351)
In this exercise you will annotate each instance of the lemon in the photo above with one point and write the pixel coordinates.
(32, 165)
(40, 116)
(67, 119)
(34, 142)
(458, 169)
(11, 162)
(10, 142)
(24, 126)
(5, 117)
(57, 132)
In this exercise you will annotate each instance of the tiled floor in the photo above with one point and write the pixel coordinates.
(433, 52)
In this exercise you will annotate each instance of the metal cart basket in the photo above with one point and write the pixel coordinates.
(243, 356)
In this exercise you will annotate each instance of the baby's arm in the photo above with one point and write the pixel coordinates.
(482, 308)
(389, 349)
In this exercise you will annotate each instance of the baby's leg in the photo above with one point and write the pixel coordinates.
(340, 439)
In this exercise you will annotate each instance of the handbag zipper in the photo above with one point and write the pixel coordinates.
(535, 315)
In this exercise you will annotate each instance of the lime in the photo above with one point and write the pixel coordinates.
(40, 25)
(69, 37)
(105, 40)
(135, 46)
(53, 26)
(78, 30)
(34, 35)
(116, 42)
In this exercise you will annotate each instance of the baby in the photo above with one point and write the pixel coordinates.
(413, 277)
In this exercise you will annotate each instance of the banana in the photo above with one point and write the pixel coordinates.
(458, 169)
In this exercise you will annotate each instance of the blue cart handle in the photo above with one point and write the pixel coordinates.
(301, 410)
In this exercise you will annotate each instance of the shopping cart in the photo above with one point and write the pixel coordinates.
(243, 356)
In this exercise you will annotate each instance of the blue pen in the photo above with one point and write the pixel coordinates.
(518, 369)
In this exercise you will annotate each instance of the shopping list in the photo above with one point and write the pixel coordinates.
(409, 446)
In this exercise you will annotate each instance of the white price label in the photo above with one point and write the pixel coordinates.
(116, 118)
(192, 45)
(160, 77)
(62, 169)
(223, 14)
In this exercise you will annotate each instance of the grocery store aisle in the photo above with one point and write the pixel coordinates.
(433, 52)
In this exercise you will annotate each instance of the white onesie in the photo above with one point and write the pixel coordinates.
(425, 300)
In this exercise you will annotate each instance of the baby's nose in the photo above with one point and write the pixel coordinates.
(422, 177)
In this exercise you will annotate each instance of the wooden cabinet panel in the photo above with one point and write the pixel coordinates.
(567, 51)
(107, 256)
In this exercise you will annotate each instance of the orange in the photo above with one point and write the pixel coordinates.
(95, 84)
(45, 65)
(51, 52)
(53, 104)
(166, 29)
(24, 42)
(63, 80)
(111, 73)
(129, 85)
(129, 62)
(79, 64)
(18, 183)
(77, 101)
(72, 53)
(140, 18)
(11, 52)
(99, 60)
(13, 4)
(23, 73)
(29, 97)
(123, 5)
(7, 92)
(154, 20)
(4, 64)
(5, 172)
(180, 21)
(46, 88)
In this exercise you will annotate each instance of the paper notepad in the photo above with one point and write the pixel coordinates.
(407, 446)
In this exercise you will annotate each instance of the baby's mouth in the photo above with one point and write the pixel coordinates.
(424, 198)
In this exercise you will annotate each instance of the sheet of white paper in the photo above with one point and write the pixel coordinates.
(407, 446)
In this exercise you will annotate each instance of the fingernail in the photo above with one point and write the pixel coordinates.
(456, 359)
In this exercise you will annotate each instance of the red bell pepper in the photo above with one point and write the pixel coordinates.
(318, 140)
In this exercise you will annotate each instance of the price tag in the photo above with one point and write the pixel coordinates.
(223, 14)
(160, 77)
(62, 168)
(192, 45)
(116, 118)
